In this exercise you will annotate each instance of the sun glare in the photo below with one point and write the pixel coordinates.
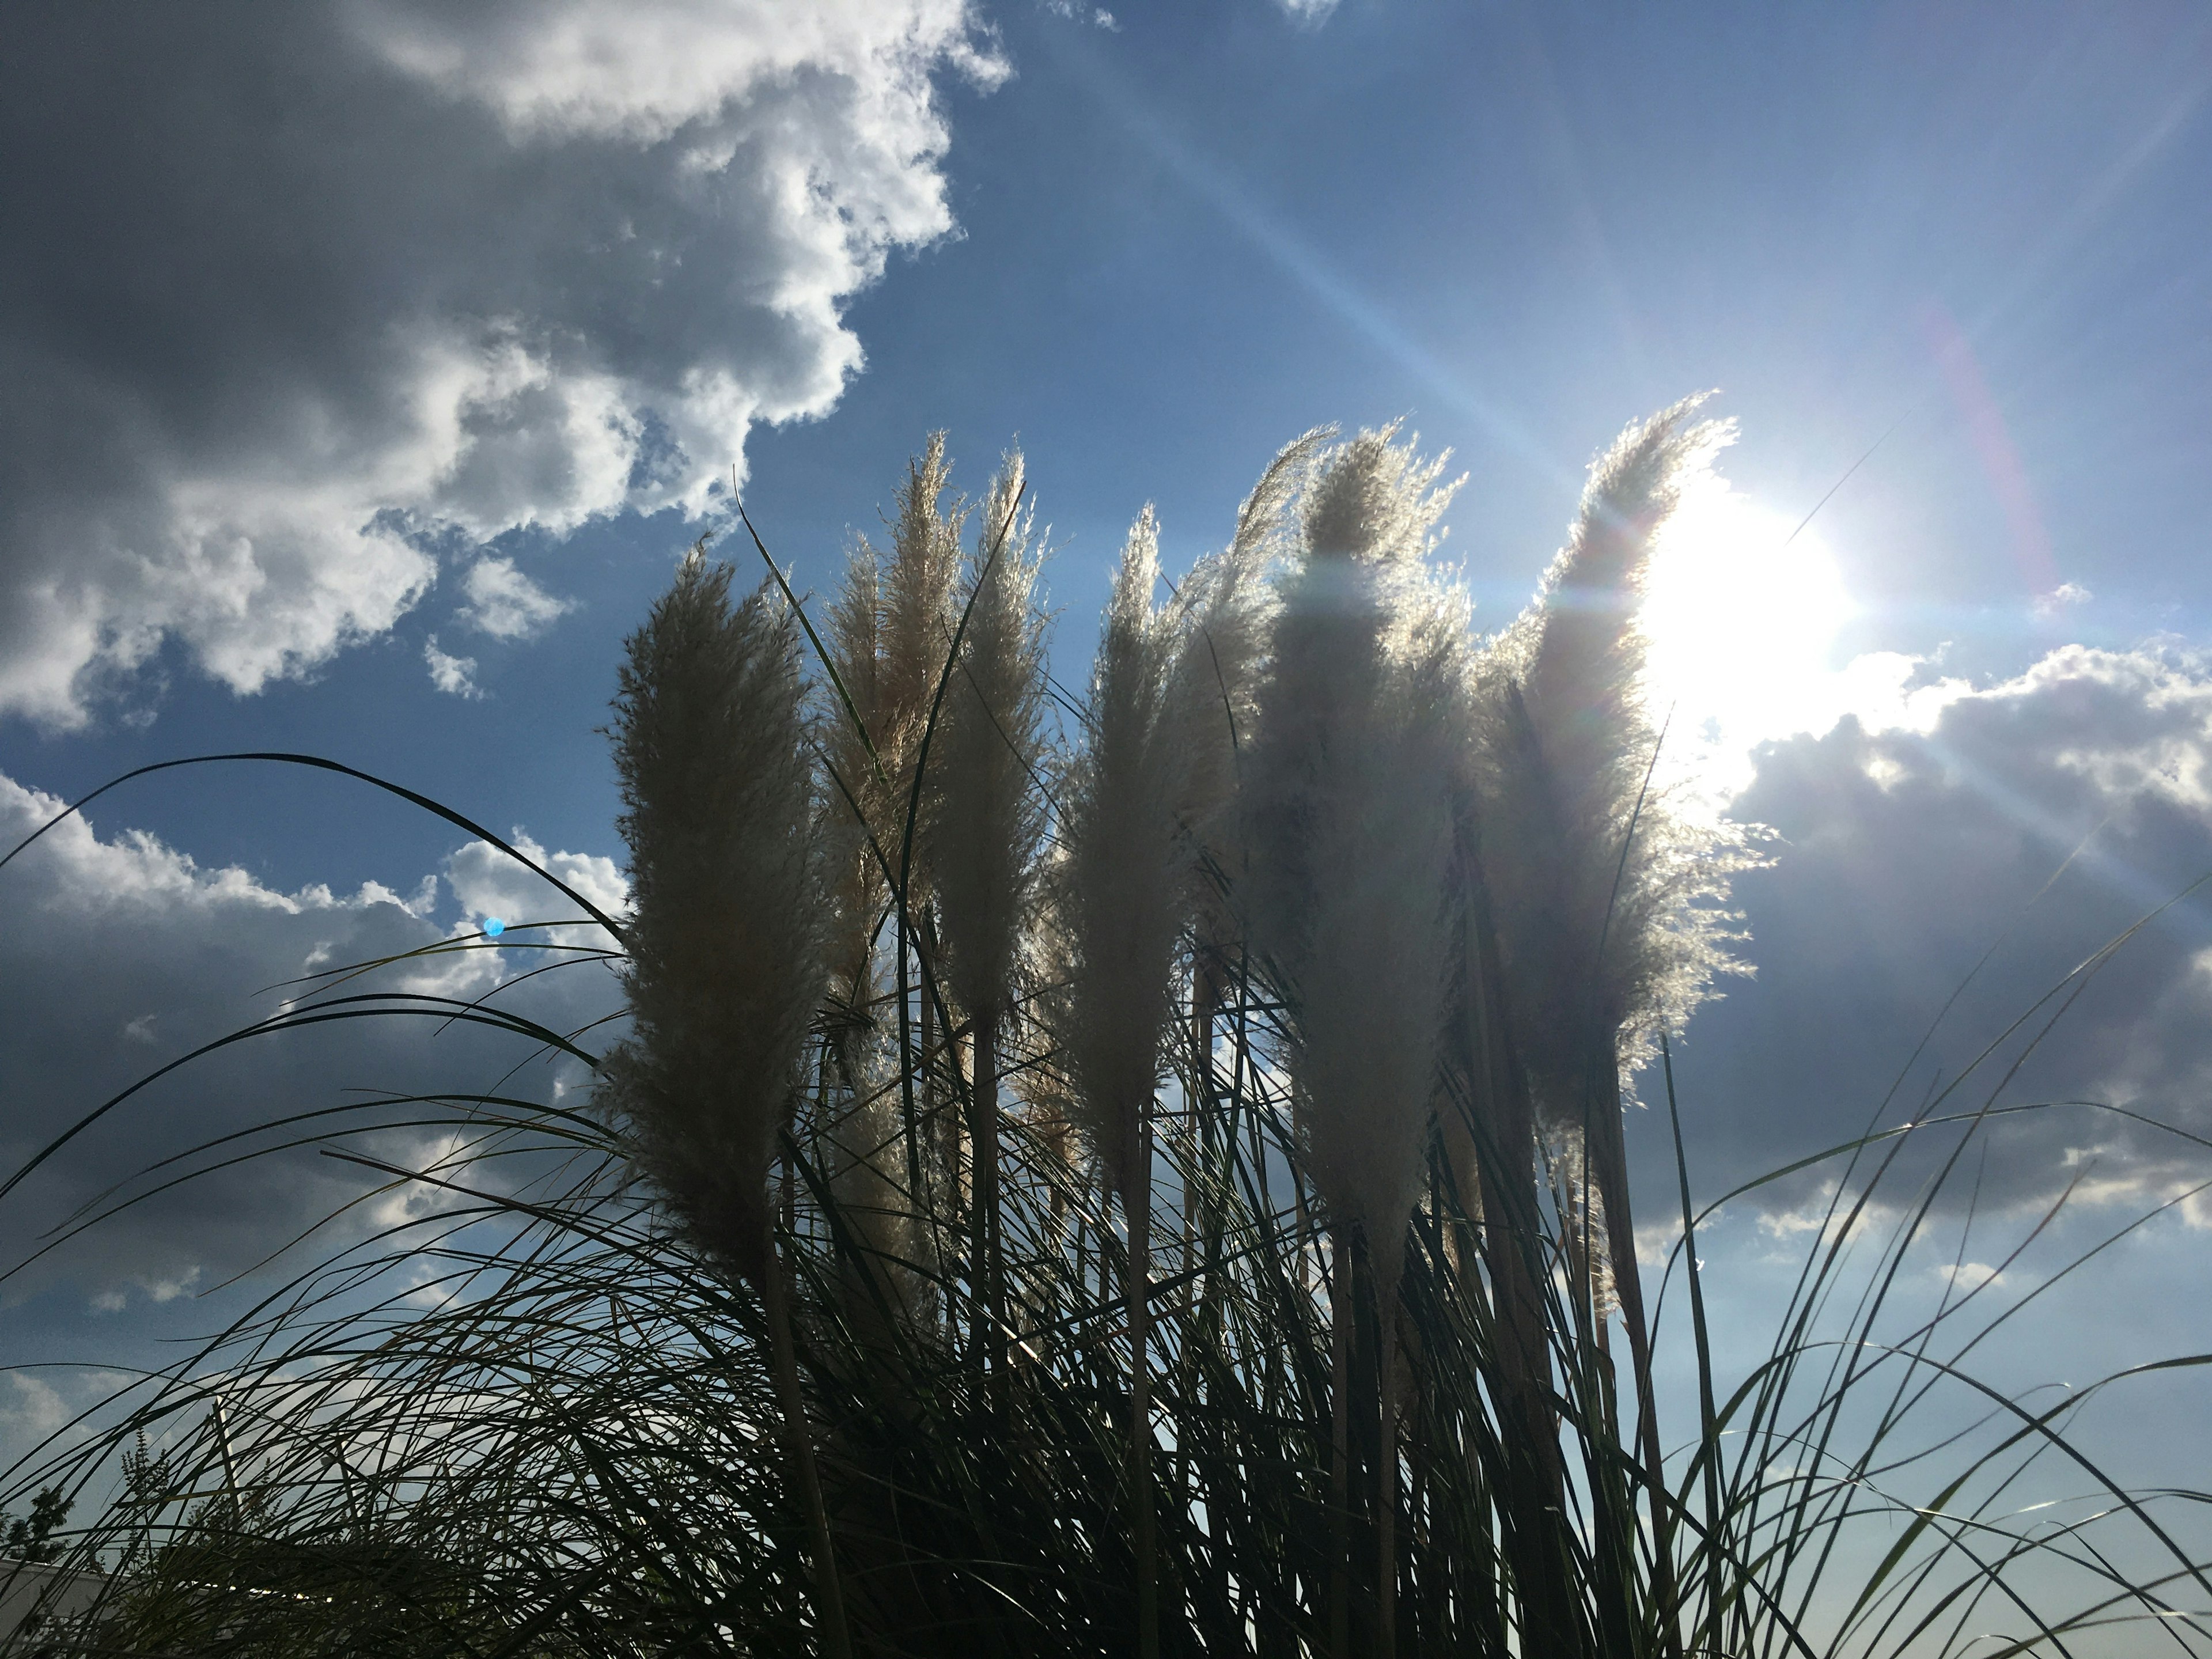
(1740, 620)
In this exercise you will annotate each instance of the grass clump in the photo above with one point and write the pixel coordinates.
(1156, 1187)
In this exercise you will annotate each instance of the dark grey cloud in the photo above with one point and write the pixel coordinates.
(285, 284)
(1906, 854)
(119, 954)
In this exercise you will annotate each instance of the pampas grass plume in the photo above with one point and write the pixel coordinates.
(1120, 882)
(986, 815)
(1348, 815)
(726, 960)
(1600, 928)
(920, 581)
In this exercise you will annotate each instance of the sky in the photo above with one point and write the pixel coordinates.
(366, 365)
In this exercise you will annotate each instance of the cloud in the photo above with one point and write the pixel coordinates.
(39, 1410)
(360, 276)
(456, 676)
(506, 604)
(119, 953)
(1311, 13)
(2067, 596)
(1097, 16)
(2043, 816)
(488, 884)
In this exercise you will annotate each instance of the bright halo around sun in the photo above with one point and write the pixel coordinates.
(1740, 619)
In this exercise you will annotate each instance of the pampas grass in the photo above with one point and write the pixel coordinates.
(1123, 897)
(1604, 902)
(1350, 816)
(725, 942)
(1341, 923)
(985, 821)
(1140, 807)
(726, 965)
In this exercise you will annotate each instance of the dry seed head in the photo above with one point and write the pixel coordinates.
(1119, 886)
(1349, 817)
(856, 797)
(1604, 898)
(985, 816)
(1223, 617)
(725, 969)
(1376, 500)
(918, 586)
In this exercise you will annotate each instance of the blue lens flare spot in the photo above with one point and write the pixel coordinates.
(493, 928)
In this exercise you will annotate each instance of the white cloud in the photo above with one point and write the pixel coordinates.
(646, 69)
(455, 676)
(2065, 597)
(1312, 13)
(38, 1409)
(1097, 16)
(506, 604)
(157, 1290)
(513, 265)
(488, 883)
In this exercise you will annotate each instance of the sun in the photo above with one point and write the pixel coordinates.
(1741, 611)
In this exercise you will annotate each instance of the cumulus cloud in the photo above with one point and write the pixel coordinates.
(490, 884)
(505, 603)
(357, 276)
(119, 953)
(2065, 597)
(455, 676)
(2044, 816)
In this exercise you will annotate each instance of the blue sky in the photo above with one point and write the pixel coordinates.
(308, 365)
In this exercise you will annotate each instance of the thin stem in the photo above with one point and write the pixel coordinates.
(1339, 1446)
(829, 1596)
(1385, 1481)
(1140, 1205)
(1708, 1426)
(990, 1265)
(1609, 1157)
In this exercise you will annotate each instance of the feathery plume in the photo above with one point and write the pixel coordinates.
(919, 584)
(1118, 884)
(1604, 932)
(1221, 620)
(985, 816)
(1149, 789)
(1347, 817)
(857, 805)
(726, 953)
(726, 964)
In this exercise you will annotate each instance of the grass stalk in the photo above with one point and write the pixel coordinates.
(837, 1639)
(1138, 1294)
(1339, 1445)
(988, 1267)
